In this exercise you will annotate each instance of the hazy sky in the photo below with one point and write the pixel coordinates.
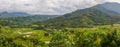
(47, 6)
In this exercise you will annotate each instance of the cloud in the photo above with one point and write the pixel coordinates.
(114, 1)
(46, 6)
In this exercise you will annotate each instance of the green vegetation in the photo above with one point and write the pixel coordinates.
(22, 21)
(84, 28)
(82, 18)
(91, 27)
(97, 36)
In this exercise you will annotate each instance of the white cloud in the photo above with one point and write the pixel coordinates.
(46, 6)
(114, 1)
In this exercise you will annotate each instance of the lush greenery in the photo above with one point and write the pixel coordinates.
(82, 18)
(97, 36)
(91, 27)
(22, 21)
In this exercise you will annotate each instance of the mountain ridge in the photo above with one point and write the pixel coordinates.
(85, 18)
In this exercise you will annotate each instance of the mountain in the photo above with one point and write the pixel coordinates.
(96, 15)
(13, 14)
(21, 18)
(109, 7)
(22, 21)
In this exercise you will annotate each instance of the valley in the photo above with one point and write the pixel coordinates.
(97, 26)
(68, 37)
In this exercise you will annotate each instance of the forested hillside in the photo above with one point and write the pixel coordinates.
(23, 20)
(83, 18)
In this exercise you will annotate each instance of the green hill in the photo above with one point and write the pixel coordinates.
(83, 18)
(22, 21)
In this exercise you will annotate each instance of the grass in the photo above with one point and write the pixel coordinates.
(28, 33)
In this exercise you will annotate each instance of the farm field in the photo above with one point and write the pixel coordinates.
(97, 36)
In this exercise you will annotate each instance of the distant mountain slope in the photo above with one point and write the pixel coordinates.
(100, 14)
(24, 20)
(96, 15)
(13, 14)
(109, 7)
(21, 18)
(112, 6)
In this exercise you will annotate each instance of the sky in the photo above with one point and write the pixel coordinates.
(48, 7)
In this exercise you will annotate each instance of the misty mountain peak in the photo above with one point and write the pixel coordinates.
(111, 6)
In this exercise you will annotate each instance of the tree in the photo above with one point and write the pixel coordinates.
(60, 39)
